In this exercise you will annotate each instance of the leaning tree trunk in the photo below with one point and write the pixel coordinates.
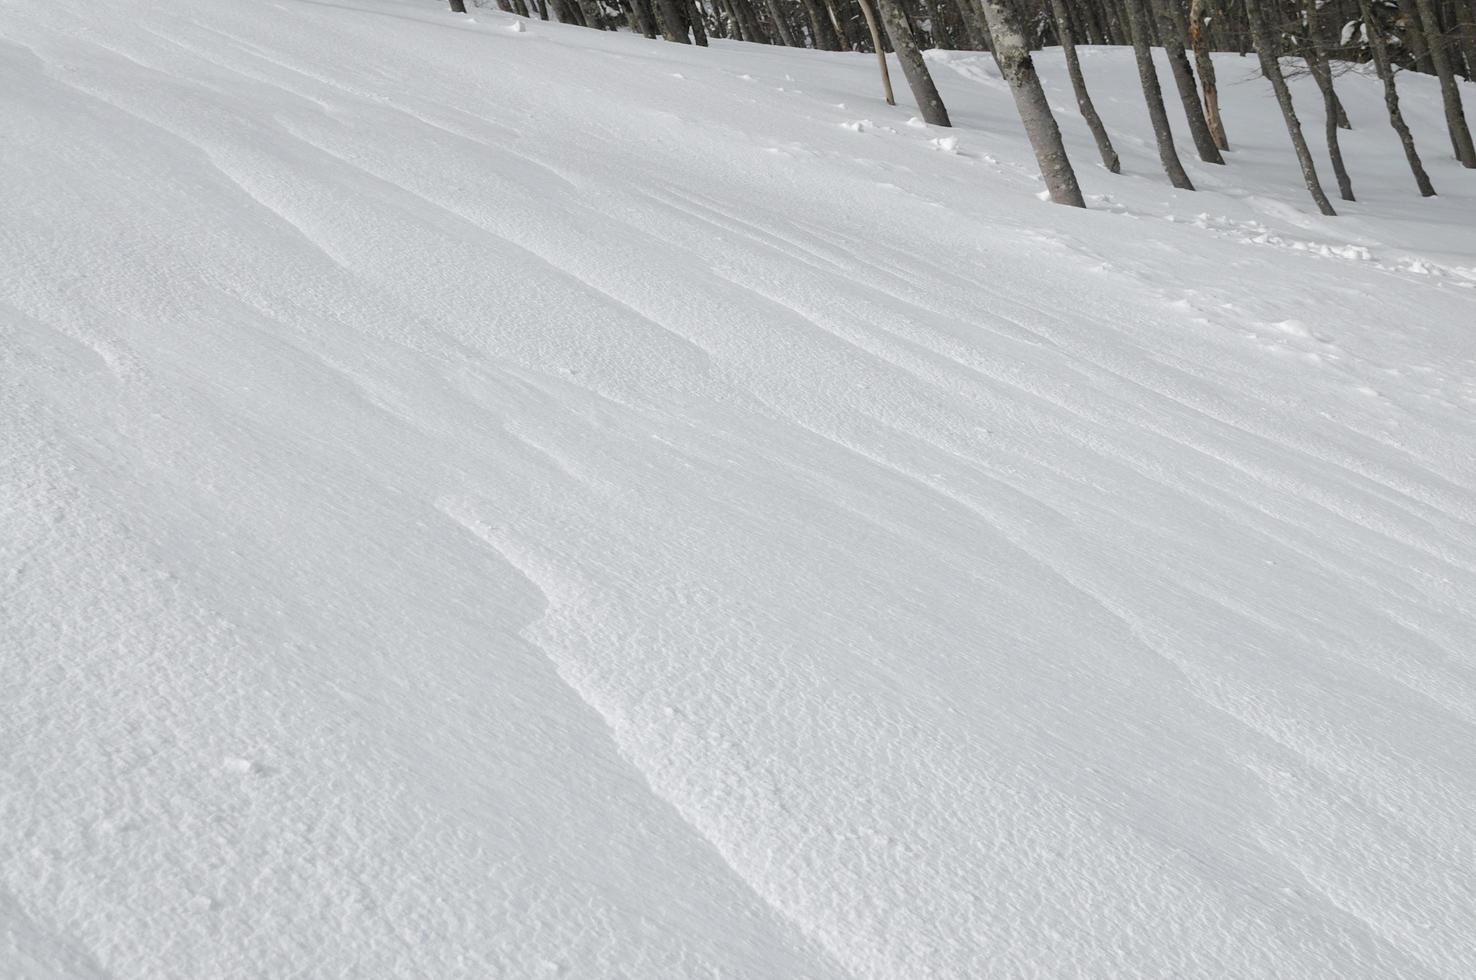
(1173, 31)
(881, 51)
(694, 14)
(781, 26)
(1199, 41)
(644, 19)
(1380, 51)
(1321, 69)
(1031, 103)
(1268, 54)
(919, 79)
(1078, 85)
(1148, 77)
(673, 21)
(1455, 116)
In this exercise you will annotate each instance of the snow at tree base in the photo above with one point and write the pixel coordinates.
(486, 498)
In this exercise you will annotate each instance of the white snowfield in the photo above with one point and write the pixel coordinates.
(482, 498)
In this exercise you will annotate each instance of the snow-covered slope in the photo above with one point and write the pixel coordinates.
(480, 501)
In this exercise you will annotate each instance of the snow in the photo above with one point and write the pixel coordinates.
(482, 502)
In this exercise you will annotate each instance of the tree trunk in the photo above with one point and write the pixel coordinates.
(1414, 36)
(820, 31)
(919, 79)
(457, 7)
(881, 52)
(1268, 53)
(1031, 103)
(781, 26)
(645, 20)
(1148, 77)
(1199, 40)
(673, 22)
(1450, 93)
(1083, 97)
(1321, 69)
(1380, 51)
(1173, 32)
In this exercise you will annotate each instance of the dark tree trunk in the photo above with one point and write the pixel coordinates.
(1380, 51)
(1414, 36)
(1450, 93)
(919, 79)
(1148, 77)
(1078, 84)
(673, 21)
(695, 19)
(1321, 69)
(781, 26)
(457, 7)
(1199, 40)
(1031, 103)
(645, 20)
(1173, 32)
(1268, 53)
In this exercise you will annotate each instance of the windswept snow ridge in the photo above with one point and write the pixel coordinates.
(483, 498)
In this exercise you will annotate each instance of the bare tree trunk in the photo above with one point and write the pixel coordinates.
(1450, 93)
(1414, 36)
(1380, 51)
(842, 38)
(781, 26)
(1173, 31)
(919, 79)
(1268, 53)
(1199, 41)
(673, 22)
(1321, 70)
(1078, 85)
(457, 7)
(1031, 103)
(820, 31)
(645, 20)
(1148, 77)
(881, 51)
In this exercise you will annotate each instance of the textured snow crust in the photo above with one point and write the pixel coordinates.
(480, 502)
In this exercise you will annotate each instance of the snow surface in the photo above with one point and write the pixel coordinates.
(482, 502)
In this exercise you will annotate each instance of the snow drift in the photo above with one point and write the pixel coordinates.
(491, 502)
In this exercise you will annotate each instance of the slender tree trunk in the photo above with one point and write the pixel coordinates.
(1031, 103)
(1078, 84)
(919, 79)
(1268, 53)
(1379, 48)
(1173, 32)
(842, 38)
(1148, 77)
(881, 52)
(543, 9)
(695, 14)
(1450, 93)
(781, 26)
(820, 31)
(457, 7)
(1465, 12)
(1199, 40)
(1414, 36)
(1321, 69)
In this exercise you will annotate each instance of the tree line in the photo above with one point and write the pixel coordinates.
(1436, 37)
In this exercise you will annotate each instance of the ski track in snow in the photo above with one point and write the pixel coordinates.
(545, 503)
